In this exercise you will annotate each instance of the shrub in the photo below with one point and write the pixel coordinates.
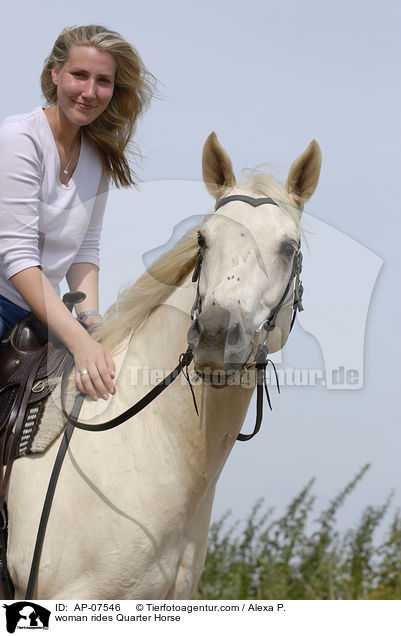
(285, 559)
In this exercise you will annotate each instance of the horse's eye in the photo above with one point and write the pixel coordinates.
(288, 249)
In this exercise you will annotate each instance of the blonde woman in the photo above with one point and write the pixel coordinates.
(56, 164)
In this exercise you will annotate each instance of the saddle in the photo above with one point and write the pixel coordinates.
(31, 358)
(28, 362)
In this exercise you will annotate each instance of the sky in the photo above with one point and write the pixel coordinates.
(268, 77)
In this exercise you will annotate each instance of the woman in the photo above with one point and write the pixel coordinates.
(55, 167)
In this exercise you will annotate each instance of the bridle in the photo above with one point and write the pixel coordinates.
(260, 363)
(261, 357)
(270, 321)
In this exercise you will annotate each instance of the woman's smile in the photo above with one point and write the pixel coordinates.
(84, 106)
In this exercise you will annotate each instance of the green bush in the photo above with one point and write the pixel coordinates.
(284, 559)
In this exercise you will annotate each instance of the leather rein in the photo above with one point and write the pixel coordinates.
(185, 359)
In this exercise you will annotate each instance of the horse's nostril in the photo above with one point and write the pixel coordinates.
(233, 334)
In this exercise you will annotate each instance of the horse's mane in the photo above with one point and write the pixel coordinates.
(134, 303)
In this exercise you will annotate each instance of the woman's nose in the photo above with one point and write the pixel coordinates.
(89, 91)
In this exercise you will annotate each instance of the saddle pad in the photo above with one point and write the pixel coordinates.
(51, 423)
(36, 434)
(48, 422)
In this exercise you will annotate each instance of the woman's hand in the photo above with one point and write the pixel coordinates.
(94, 369)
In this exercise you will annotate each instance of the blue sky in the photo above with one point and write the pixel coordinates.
(267, 77)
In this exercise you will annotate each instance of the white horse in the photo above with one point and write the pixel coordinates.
(131, 512)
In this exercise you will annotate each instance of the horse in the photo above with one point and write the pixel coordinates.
(132, 508)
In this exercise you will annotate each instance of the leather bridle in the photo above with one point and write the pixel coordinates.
(261, 356)
(270, 322)
(260, 363)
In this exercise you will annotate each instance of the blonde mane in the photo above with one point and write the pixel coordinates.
(153, 288)
(134, 303)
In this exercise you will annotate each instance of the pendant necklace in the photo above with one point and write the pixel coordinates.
(66, 169)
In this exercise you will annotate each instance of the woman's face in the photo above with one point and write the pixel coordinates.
(85, 84)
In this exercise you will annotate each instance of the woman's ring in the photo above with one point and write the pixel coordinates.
(84, 372)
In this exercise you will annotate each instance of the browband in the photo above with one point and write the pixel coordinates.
(242, 197)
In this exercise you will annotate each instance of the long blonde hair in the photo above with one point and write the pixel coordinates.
(134, 87)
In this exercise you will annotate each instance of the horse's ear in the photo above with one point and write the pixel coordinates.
(216, 166)
(304, 174)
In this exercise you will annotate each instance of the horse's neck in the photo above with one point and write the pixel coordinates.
(205, 440)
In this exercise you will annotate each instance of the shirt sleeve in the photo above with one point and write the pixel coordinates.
(90, 246)
(20, 177)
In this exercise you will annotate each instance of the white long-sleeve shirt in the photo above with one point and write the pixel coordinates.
(42, 221)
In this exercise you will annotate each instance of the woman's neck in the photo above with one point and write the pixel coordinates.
(65, 133)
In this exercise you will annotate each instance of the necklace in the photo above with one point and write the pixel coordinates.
(66, 170)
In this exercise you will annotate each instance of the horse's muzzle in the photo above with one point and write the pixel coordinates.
(218, 340)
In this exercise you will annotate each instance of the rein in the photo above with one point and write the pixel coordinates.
(261, 362)
(184, 362)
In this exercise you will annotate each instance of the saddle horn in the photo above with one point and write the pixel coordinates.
(72, 298)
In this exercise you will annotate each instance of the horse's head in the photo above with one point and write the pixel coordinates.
(248, 262)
